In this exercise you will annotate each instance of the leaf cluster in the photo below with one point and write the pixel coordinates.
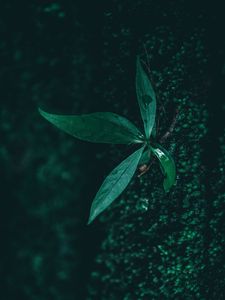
(108, 127)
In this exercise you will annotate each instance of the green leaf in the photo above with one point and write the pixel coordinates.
(146, 99)
(100, 127)
(145, 158)
(168, 166)
(114, 184)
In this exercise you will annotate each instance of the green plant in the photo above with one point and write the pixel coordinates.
(107, 127)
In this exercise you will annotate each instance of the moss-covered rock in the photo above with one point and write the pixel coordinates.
(157, 245)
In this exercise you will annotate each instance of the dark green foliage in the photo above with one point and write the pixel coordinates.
(105, 127)
(167, 164)
(115, 183)
(146, 99)
(101, 127)
(145, 158)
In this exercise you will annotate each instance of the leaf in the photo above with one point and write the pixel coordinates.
(145, 158)
(114, 184)
(100, 127)
(168, 166)
(146, 99)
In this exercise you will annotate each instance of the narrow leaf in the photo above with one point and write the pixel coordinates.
(168, 166)
(100, 127)
(114, 184)
(145, 158)
(146, 99)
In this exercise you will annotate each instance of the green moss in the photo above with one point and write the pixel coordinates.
(156, 244)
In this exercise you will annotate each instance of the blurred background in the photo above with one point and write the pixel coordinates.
(50, 55)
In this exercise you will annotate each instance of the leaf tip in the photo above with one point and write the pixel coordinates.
(92, 215)
(166, 189)
(167, 186)
(90, 219)
(42, 112)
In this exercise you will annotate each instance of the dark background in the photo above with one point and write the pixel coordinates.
(79, 57)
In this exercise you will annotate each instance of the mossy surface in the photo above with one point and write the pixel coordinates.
(157, 245)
